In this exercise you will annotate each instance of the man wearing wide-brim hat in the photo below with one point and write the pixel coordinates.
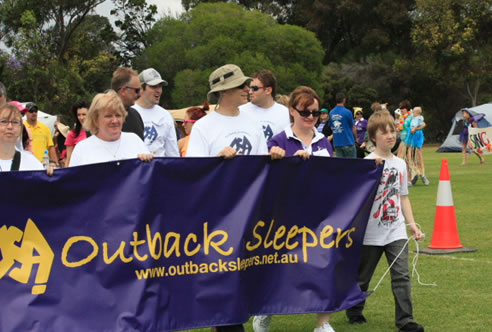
(226, 131)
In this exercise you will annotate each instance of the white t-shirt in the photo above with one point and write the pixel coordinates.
(159, 132)
(94, 150)
(27, 163)
(273, 120)
(212, 133)
(386, 221)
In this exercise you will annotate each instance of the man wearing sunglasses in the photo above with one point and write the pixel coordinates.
(272, 116)
(343, 127)
(159, 132)
(41, 134)
(127, 85)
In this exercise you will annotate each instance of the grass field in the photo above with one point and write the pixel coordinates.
(462, 300)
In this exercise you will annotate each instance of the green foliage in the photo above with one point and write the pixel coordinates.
(134, 19)
(211, 35)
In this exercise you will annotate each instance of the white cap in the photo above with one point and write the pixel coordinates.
(151, 77)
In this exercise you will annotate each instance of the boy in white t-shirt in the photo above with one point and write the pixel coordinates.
(386, 231)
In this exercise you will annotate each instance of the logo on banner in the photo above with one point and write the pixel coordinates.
(27, 248)
(150, 134)
(268, 132)
(242, 145)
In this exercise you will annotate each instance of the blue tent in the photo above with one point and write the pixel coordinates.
(452, 142)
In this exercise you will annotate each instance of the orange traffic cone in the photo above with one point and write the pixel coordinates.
(445, 235)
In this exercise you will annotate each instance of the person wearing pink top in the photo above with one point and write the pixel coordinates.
(79, 111)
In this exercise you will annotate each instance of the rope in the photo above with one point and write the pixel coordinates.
(414, 264)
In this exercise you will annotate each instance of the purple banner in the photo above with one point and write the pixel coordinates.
(181, 243)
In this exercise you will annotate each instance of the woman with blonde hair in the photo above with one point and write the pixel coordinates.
(108, 143)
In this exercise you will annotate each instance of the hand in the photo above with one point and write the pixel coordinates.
(228, 153)
(50, 170)
(276, 152)
(303, 154)
(416, 232)
(413, 130)
(378, 161)
(146, 157)
(363, 145)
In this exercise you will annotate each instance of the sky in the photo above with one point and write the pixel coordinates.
(163, 6)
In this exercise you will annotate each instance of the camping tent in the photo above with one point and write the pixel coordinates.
(452, 142)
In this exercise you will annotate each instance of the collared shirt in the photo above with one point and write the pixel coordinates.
(287, 140)
(41, 138)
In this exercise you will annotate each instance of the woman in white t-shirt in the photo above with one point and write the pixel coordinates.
(104, 120)
(12, 159)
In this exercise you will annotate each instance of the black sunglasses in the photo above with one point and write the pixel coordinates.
(242, 85)
(137, 90)
(306, 113)
(33, 110)
(256, 88)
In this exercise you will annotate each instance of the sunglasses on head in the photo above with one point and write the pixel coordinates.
(256, 88)
(306, 113)
(33, 110)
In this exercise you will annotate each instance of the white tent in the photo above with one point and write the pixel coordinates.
(452, 142)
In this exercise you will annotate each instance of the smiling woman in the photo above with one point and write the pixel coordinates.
(104, 120)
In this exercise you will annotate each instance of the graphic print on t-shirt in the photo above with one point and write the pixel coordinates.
(268, 132)
(150, 134)
(388, 198)
(337, 124)
(241, 145)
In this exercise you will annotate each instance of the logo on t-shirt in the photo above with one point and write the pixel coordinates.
(150, 134)
(387, 211)
(242, 145)
(268, 132)
(337, 126)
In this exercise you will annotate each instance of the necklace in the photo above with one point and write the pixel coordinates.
(113, 154)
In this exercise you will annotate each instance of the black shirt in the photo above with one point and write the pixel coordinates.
(133, 123)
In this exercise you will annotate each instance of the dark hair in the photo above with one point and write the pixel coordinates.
(196, 113)
(268, 79)
(340, 97)
(78, 105)
(405, 104)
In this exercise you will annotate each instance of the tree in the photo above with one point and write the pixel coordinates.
(457, 36)
(210, 35)
(134, 19)
(55, 21)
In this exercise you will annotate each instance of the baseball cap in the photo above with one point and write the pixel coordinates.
(225, 78)
(151, 77)
(324, 110)
(17, 104)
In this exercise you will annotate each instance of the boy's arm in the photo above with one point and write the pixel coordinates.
(406, 208)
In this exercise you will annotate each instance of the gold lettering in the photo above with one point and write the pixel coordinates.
(325, 233)
(135, 243)
(278, 234)
(292, 234)
(190, 237)
(208, 241)
(305, 243)
(120, 252)
(151, 242)
(71, 241)
(251, 247)
(175, 247)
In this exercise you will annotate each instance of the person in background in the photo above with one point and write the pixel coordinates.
(127, 85)
(192, 115)
(61, 133)
(159, 131)
(77, 134)
(108, 143)
(282, 99)
(41, 135)
(342, 124)
(415, 140)
(273, 117)
(469, 121)
(404, 109)
(386, 230)
(361, 129)
(303, 140)
(12, 159)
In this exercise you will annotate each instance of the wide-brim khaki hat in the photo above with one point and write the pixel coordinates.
(225, 78)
